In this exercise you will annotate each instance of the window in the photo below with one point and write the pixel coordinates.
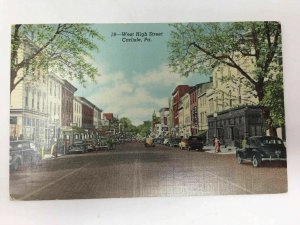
(26, 96)
(230, 98)
(50, 87)
(13, 120)
(32, 100)
(50, 112)
(38, 100)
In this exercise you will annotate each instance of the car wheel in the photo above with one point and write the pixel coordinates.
(256, 161)
(239, 159)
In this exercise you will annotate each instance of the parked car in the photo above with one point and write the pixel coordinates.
(159, 140)
(262, 148)
(23, 153)
(174, 142)
(149, 142)
(183, 144)
(166, 141)
(78, 146)
(195, 143)
(90, 145)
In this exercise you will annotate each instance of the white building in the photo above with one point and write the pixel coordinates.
(54, 105)
(28, 106)
(97, 117)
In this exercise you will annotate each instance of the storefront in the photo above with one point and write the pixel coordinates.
(230, 126)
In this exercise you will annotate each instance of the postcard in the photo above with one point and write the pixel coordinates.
(146, 110)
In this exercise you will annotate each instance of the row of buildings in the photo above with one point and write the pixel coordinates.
(225, 107)
(47, 108)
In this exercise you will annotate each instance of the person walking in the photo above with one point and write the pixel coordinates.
(54, 150)
(217, 145)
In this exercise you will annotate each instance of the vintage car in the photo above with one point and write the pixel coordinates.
(174, 142)
(166, 141)
(261, 148)
(78, 146)
(158, 140)
(149, 142)
(183, 144)
(22, 154)
(90, 145)
(195, 143)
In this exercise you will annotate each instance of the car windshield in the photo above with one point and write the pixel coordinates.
(78, 142)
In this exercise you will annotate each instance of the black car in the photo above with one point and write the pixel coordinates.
(23, 153)
(195, 142)
(90, 145)
(174, 142)
(79, 146)
(262, 148)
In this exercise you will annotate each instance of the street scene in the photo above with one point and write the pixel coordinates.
(146, 110)
(131, 170)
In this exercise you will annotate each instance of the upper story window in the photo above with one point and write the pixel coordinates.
(26, 96)
(50, 87)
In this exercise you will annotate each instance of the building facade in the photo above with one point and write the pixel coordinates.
(87, 114)
(77, 112)
(68, 91)
(233, 124)
(203, 109)
(177, 93)
(28, 110)
(97, 117)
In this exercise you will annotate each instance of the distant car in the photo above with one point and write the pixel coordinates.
(166, 141)
(195, 143)
(174, 142)
(149, 142)
(262, 148)
(183, 144)
(23, 153)
(159, 140)
(79, 146)
(90, 145)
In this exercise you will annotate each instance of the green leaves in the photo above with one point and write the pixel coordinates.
(64, 49)
(252, 48)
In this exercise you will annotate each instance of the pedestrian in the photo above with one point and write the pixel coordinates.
(217, 145)
(54, 150)
(244, 142)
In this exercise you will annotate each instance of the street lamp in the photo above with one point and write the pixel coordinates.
(216, 119)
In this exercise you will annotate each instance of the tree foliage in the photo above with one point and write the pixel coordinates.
(144, 129)
(62, 48)
(202, 47)
(274, 100)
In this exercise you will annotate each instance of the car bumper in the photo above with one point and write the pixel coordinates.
(273, 159)
(76, 150)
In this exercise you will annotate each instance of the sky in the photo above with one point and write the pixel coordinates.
(134, 77)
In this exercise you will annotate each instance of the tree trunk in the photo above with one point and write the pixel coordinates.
(273, 131)
(13, 75)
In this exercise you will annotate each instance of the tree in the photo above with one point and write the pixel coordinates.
(274, 100)
(62, 48)
(127, 125)
(144, 129)
(199, 48)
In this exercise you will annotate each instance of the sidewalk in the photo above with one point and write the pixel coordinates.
(49, 156)
(224, 150)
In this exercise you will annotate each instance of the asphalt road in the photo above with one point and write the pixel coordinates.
(135, 171)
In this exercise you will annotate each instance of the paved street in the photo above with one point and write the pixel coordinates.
(135, 171)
